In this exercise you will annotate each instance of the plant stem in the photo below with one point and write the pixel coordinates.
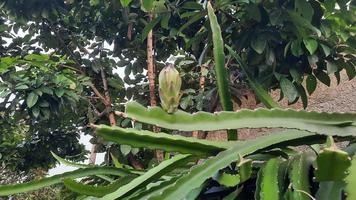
(221, 72)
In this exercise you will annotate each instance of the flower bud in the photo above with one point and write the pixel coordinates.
(169, 88)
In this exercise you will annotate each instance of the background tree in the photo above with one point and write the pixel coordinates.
(283, 43)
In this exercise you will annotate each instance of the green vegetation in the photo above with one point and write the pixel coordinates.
(74, 67)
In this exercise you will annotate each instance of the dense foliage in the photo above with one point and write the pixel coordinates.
(59, 73)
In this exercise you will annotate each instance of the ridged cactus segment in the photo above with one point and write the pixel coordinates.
(351, 181)
(269, 188)
(152, 174)
(299, 178)
(245, 169)
(96, 190)
(341, 124)
(163, 141)
(332, 165)
(170, 83)
(330, 190)
(228, 180)
(200, 173)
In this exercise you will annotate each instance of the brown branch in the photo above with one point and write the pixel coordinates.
(129, 31)
(108, 106)
(151, 80)
(111, 114)
(120, 114)
(71, 68)
(98, 94)
(105, 83)
(150, 67)
(202, 77)
(92, 157)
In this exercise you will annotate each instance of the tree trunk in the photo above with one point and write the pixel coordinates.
(151, 81)
(151, 68)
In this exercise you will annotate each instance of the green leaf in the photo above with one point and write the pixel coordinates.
(253, 12)
(149, 27)
(311, 84)
(94, 2)
(44, 104)
(197, 16)
(150, 175)
(38, 92)
(331, 67)
(311, 45)
(47, 90)
(335, 172)
(351, 180)
(125, 149)
(304, 8)
(323, 77)
(35, 111)
(326, 49)
(341, 124)
(303, 95)
(59, 92)
(260, 92)
(259, 44)
(288, 89)
(151, 140)
(4, 67)
(6, 190)
(159, 7)
(31, 99)
(299, 177)
(269, 188)
(191, 5)
(116, 83)
(125, 3)
(4, 93)
(297, 77)
(220, 70)
(296, 48)
(37, 57)
(330, 190)
(350, 70)
(165, 21)
(199, 173)
(300, 21)
(147, 5)
(96, 191)
(21, 87)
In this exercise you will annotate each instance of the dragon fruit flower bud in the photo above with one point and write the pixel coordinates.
(169, 88)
